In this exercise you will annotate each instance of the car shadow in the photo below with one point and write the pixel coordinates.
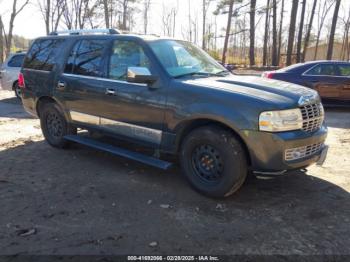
(12, 108)
(63, 194)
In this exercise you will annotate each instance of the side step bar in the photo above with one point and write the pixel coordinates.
(120, 151)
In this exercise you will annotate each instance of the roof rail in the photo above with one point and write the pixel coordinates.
(86, 32)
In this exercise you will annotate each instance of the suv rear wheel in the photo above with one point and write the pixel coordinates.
(213, 161)
(54, 125)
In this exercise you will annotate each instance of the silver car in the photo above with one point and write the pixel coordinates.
(9, 73)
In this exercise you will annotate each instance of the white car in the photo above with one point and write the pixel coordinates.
(9, 73)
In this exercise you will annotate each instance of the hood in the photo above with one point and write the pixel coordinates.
(261, 88)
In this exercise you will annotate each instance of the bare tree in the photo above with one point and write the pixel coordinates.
(52, 11)
(146, 6)
(300, 34)
(15, 11)
(266, 34)
(293, 18)
(323, 10)
(345, 45)
(309, 28)
(106, 13)
(78, 12)
(274, 33)
(331, 36)
(228, 28)
(252, 33)
(205, 6)
(280, 34)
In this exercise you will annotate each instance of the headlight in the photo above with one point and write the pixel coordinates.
(284, 120)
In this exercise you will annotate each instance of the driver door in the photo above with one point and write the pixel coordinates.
(138, 109)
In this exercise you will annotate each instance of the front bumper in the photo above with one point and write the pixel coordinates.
(268, 150)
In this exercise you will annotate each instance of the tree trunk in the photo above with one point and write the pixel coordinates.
(252, 33)
(280, 34)
(228, 30)
(274, 34)
(300, 34)
(125, 10)
(331, 36)
(106, 10)
(47, 16)
(309, 28)
(293, 18)
(266, 34)
(203, 26)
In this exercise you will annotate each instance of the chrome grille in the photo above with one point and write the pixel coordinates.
(313, 116)
(301, 152)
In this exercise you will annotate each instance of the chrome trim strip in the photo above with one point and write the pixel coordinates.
(84, 118)
(103, 79)
(134, 131)
(37, 70)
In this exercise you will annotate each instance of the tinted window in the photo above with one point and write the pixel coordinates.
(43, 55)
(86, 58)
(16, 61)
(325, 70)
(126, 54)
(344, 70)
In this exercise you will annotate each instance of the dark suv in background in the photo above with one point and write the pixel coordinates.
(171, 96)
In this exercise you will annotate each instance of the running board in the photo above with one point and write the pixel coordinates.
(119, 151)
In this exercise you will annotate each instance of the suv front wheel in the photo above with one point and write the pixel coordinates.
(213, 161)
(55, 126)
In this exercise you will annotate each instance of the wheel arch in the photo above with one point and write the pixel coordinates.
(48, 99)
(14, 85)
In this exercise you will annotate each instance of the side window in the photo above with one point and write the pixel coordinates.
(86, 58)
(43, 54)
(16, 61)
(126, 54)
(322, 70)
(344, 70)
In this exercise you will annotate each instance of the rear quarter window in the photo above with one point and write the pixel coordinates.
(43, 54)
(16, 61)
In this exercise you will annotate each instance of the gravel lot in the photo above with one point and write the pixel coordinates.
(81, 201)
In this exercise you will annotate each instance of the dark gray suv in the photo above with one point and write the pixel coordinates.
(170, 96)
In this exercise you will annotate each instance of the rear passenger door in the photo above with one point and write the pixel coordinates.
(80, 86)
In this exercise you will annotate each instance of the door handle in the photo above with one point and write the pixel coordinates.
(61, 85)
(110, 92)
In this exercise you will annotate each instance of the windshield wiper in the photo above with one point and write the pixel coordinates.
(220, 73)
(192, 74)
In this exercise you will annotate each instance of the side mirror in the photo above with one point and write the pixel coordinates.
(140, 75)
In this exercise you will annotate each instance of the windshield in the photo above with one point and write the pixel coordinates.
(181, 58)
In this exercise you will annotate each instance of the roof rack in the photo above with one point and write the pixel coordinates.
(86, 32)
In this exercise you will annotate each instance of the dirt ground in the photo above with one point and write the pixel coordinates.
(81, 201)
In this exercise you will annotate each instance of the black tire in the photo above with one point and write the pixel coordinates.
(55, 126)
(17, 90)
(214, 161)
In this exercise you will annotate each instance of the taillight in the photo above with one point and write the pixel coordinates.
(268, 75)
(21, 81)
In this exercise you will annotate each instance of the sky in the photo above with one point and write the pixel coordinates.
(30, 22)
